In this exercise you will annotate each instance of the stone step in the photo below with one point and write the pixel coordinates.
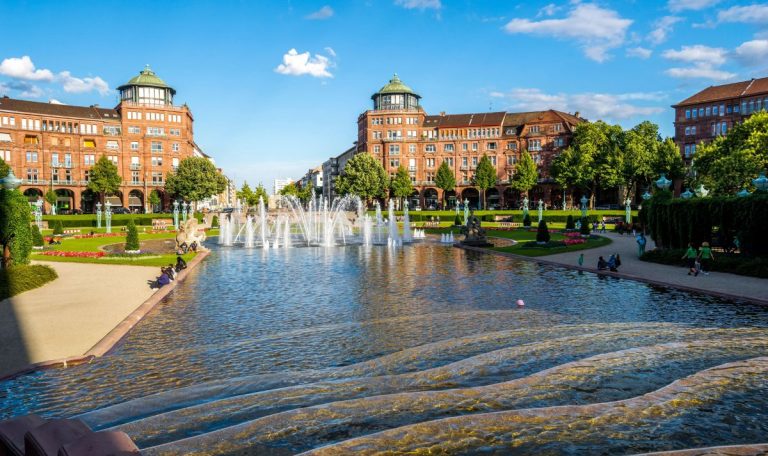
(103, 443)
(12, 433)
(45, 440)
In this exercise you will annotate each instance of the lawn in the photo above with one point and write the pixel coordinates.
(20, 278)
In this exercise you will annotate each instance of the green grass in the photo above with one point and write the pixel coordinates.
(153, 260)
(20, 278)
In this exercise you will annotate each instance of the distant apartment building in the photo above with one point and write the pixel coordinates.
(313, 179)
(53, 146)
(398, 132)
(714, 111)
(279, 184)
(332, 168)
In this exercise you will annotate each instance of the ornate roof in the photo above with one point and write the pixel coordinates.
(395, 85)
(146, 78)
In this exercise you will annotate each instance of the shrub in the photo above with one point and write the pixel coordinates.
(457, 220)
(215, 221)
(735, 264)
(586, 226)
(15, 229)
(37, 237)
(527, 220)
(569, 223)
(20, 278)
(132, 239)
(58, 227)
(542, 235)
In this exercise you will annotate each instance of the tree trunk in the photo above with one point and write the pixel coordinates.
(6, 255)
(592, 196)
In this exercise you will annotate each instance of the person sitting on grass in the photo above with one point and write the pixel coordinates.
(193, 246)
(180, 264)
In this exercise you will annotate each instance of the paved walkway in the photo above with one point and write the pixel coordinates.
(717, 283)
(71, 314)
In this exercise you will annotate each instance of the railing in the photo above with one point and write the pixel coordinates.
(411, 168)
(394, 138)
(156, 184)
(34, 182)
(65, 182)
(84, 182)
(135, 166)
(152, 106)
(136, 183)
(464, 167)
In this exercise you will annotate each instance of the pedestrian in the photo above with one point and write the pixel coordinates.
(612, 263)
(690, 258)
(581, 260)
(705, 257)
(602, 225)
(641, 241)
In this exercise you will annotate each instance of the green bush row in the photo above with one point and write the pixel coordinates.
(80, 221)
(735, 264)
(517, 216)
(23, 277)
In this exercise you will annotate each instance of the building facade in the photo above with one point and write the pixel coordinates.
(313, 179)
(53, 146)
(331, 170)
(714, 111)
(397, 131)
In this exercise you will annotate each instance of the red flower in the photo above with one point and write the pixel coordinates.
(64, 253)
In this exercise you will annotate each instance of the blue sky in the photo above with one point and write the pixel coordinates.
(264, 108)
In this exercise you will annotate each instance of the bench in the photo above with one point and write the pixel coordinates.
(71, 231)
(161, 224)
(431, 224)
(510, 224)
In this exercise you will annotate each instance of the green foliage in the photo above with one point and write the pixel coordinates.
(485, 176)
(58, 228)
(730, 162)
(154, 198)
(641, 146)
(457, 220)
(89, 220)
(260, 193)
(37, 237)
(401, 185)
(586, 227)
(302, 193)
(15, 230)
(569, 223)
(132, 239)
(526, 174)
(251, 197)
(668, 160)
(215, 221)
(527, 220)
(542, 234)
(195, 179)
(4, 168)
(676, 222)
(51, 197)
(734, 264)
(104, 177)
(20, 278)
(363, 176)
(444, 178)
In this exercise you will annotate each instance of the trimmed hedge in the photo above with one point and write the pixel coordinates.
(37, 237)
(735, 264)
(674, 223)
(22, 277)
(80, 221)
(552, 216)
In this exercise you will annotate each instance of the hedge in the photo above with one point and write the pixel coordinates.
(735, 264)
(552, 216)
(80, 221)
(20, 278)
(674, 223)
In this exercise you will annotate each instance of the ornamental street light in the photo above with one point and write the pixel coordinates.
(761, 183)
(541, 210)
(686, 194)
(108, 215)
(184, 210)
(525, 206)
(176, 214)
(628, 214)
(584, 202)
(701, 192)
(10, 182)
(98, 214)
(646, 196)
(744, 192)
(39, 214)
(663, 183)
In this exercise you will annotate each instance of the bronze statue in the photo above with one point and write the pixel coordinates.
(474, 234)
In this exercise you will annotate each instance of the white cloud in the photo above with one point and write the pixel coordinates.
(419, 4)
(325, 12)
(751, 14)
(596, 29)
(639, 52)
(682, 5)
(697, 54)
(549, 10)
(752, 53)
(72, 84)
(330, 51)
(590, 105)
(662, 28)
(700, 72)
(23, 68)
(296, 64)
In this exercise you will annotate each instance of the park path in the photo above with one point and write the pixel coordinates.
(70, 315)
(717, 283)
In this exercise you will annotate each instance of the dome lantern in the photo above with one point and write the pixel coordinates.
(395, 96)
(147, 89)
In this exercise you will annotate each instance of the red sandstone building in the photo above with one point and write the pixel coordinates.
(397, 131)
(53, 146)
(715, 110)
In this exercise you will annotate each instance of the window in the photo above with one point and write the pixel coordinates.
(412, 148)
(706, 111)
(113, 145)
(430, 148)
(736, 108)
(157, 178)
(132, 115)
(511, 145)
(448, 148)
(156, 146)
(511, 160)
(394, 163)
(174, 132)
(30, 139)
(31, 157)
(464, 147)
(68, 160)
(89, 159)
(743, 107)
(68, 176)
(558, 128)
(135, 178)
(693, 130)
(687, 131)
(157, 161)
(134, 145)
(113, 159)
(55, 159)
(377, 121)
(701, 112)
(474, 147)
(464, 161)
(534, 144)
(112, 130)
(90, 143)
(429, 162)
(491, 146)
(533, 129)
(559, 142)
(714, 110)
(5, 155)
(449, 161)
(722, 110)
(723, 128)
(155, 131)
(175, 147)
(474, 161)
(714, 128)
(134, 130)
(377, 149)
(687, 113)
(493, 160)
(376, 134)
(411, 133)
(695, 113)
(32, 174)
(394, 149)
(175, 163)
(751, 106)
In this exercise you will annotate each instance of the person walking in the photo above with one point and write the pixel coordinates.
(690, 256)
(581, 259)
(641, 241)
(705, 257)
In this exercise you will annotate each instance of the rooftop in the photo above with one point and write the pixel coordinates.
(55, 109)
(728, 91)
(147, 78)
(395, 85)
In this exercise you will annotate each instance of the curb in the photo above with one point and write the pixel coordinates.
(109, 342)
(619, 275)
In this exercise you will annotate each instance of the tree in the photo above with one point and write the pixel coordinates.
(154, 199)
(260, 192)
(363, 176)
(51, 198)
(485, 177)
(729, 163)
(641, 147)
(302, 193)
(4, 168)
(401, 185)
(132, 239)
(668, 161)
(58, 228)
(542, 234)
(37, 237)
(15, 229)
(246, 194)
(570, 170)
(104, 179)
(444, 179)
(526, 175)
(195, 179)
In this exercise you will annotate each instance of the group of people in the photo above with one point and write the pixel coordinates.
(698, 260)
(169, 273)
(613, 263)
(184, 248)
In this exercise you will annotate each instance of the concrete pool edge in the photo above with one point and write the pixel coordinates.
(620, 275)
(117, 334)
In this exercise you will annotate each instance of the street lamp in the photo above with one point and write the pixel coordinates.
(628, 214)
(541, 210)
(98, 214)
(10, 182)
(701, 192)
(663, 183)
(525, 206)
(39, 213)
(686, 194)
(646, 196)
(744, 192)
(584, 202)
(761, 183)
(176, 214)
(108, 215)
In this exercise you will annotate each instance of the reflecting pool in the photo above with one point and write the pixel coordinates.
(364, 349)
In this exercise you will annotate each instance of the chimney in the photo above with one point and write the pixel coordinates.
(576, 114)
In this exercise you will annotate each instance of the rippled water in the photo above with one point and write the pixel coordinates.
(418, 349)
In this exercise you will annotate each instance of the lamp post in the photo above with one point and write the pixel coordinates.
(108, 215)
(191, 211)
(176, 214)
(98, 214)
(628, 214)
(541, 210)
(39, 214)
(686, 194)
(701, 192)
(466, 210)
(663, 183)
(761, 183)
(646, 196)
(10, 182)
(184, 209)
(564, 207)
(525, 206)
(584, 202)
(744, 192)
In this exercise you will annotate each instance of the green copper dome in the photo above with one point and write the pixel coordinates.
(395, 85)
(147, 78)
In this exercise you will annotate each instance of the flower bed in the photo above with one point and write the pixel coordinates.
(97, 235)
(64, 253)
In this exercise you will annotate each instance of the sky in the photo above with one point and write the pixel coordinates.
(276, 87)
